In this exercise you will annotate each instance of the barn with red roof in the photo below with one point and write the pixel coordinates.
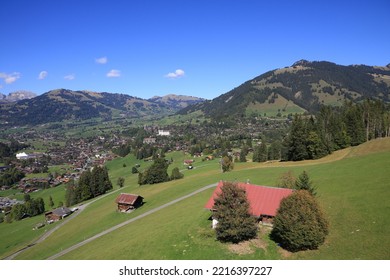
(264, 201)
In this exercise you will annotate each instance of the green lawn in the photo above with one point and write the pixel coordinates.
(353, 191)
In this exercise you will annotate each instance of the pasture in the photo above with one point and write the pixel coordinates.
(352, 187)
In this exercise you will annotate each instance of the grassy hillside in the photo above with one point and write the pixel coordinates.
(352, 187)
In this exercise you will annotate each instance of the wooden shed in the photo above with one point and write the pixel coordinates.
(127, 202)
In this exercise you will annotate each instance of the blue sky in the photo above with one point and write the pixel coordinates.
(200, 48)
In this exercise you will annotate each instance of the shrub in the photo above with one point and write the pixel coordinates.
(299, 223)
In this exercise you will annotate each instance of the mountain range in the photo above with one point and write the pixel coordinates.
(301, 87)
(63, 104)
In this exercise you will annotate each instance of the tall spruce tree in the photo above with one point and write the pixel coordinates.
(235, 224)
(303, 183)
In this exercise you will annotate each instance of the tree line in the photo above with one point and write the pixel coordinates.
(31, 207)
(91, 184)
(335, 128)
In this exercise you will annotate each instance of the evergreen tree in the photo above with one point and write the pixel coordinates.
(260, 154)
(299, 223)
(235, 224)
(303, 183)
(243, 153)
(296, 141)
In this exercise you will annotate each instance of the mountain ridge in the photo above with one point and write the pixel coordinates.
(304, 86)
(64, 104)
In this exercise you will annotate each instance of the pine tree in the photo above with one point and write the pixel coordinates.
(235, 224)
(303, 183)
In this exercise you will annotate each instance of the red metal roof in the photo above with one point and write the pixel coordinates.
(126, 198)
(262, 200)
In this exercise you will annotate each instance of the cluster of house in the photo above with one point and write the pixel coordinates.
(7, 203)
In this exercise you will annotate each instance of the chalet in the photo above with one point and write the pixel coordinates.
(57, 214)
(164, 133)
(127, 202)
(149, 140)
(264, 201)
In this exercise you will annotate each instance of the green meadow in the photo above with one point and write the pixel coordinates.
(352, 187)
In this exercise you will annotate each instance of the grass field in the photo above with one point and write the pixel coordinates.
(352, 188)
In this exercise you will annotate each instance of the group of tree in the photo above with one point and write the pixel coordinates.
(9, 150)
(300, 223)
(303, 182)
(10, 177)
(158, 173)
(31, 207)
(91, 184)
(335, 128)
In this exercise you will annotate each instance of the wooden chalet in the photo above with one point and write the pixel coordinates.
(127, 202)
(264, 201)
(57, 214)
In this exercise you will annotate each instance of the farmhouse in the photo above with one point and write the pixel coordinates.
(264, 201)
(57, 214)
(127, 202)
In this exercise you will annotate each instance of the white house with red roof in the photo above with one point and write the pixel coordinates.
(263, 201)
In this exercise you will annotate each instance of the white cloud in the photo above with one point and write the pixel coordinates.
(42, 75)
(10, 78)
(114, 73)
(101, 60)
(70, 77)
(177, 74)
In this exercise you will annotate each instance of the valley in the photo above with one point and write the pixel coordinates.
(289, 120)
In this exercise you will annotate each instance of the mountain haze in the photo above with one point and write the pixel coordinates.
(303, 86)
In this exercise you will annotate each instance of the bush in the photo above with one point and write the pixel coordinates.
(299, 223)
